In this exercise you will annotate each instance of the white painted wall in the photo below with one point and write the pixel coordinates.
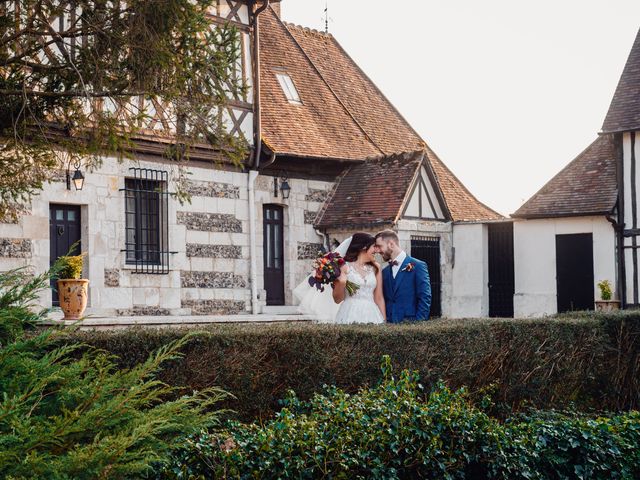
(535, 260)
(470, 272)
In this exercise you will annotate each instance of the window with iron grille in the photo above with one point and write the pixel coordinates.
(146, 221)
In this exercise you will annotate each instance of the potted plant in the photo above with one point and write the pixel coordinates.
(606, 304)
(72, 290)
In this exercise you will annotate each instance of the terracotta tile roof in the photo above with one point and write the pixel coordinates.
(374, 193)
(370, 193)
(370, 109)
(345, 116)
(624, 111)
(321, 127)
(462, 205)
(587, 186)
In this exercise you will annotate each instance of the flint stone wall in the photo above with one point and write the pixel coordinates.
(316, 195)
(211, 189)
(141, 311)
(213, 251)
(214, 307)
(310, 217)
(211, 280)
(210, 222)
(15, 247)
(111, 277)
(308, 250)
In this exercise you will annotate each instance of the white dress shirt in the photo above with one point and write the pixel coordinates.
(400, 258)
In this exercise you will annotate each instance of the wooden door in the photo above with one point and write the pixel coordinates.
(574, 272)
(64, 232)
(427, 249)
(501, 270)
(273, 228)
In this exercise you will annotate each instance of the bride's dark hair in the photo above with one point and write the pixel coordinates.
(359, 241)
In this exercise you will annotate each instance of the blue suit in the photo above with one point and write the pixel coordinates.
(408, 296)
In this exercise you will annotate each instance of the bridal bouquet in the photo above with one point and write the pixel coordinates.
(327, 270)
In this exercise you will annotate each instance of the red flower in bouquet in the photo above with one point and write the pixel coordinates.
(327, 269)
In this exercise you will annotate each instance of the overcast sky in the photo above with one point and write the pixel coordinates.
(507, 92)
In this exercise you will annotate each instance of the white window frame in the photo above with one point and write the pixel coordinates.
(288, 88)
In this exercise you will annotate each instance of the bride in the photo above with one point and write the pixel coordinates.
(366, 305)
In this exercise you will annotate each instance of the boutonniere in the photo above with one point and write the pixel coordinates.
(410, 266)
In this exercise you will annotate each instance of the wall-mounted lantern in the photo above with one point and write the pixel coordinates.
(285, 188)
(281, 184)
(77, 179)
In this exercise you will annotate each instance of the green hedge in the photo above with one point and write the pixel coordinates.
(592, 362)
(395, 431)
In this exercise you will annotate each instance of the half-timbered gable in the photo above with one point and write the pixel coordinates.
(424, 201)
(156, 119)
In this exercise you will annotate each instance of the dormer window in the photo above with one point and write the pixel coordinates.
(288, 88)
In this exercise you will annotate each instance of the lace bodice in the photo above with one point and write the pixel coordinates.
(360, 307)
(365, 280)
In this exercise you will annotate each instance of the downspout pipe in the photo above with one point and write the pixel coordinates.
(253, 172)
(256, 86)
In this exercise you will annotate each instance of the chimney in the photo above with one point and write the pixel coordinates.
(276, 7)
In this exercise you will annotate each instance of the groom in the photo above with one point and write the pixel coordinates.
(406, 285)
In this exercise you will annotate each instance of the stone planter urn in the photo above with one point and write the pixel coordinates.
(607, 305)
(73, 294)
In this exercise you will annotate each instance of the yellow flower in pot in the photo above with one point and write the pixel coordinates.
(72, 290)
(606, 294)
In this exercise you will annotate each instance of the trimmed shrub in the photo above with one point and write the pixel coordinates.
(395, 431)
(590, 362)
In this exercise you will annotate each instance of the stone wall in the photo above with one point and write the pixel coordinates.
(209, 264)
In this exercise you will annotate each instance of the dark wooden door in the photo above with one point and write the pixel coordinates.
(574, 272)
(501, 270)
(427, 249)
(64, 232)
(273, 228)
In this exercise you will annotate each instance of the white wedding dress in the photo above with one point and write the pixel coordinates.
(357, 308)
(360, 307)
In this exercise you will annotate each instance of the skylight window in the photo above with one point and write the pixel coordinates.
(289, 88)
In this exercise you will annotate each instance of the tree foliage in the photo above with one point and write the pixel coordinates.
(66, 411)
(88, 78)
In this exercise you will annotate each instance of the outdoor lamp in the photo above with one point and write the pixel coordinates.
(78, 179)
(78, 176)
(285, 189)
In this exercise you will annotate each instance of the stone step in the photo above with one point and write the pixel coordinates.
(280, 310)
(104, 323)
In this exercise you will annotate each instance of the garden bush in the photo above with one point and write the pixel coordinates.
(67, 411)
(395, 430)
(591, 362)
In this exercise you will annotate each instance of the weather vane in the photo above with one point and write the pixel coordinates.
(326, 16)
